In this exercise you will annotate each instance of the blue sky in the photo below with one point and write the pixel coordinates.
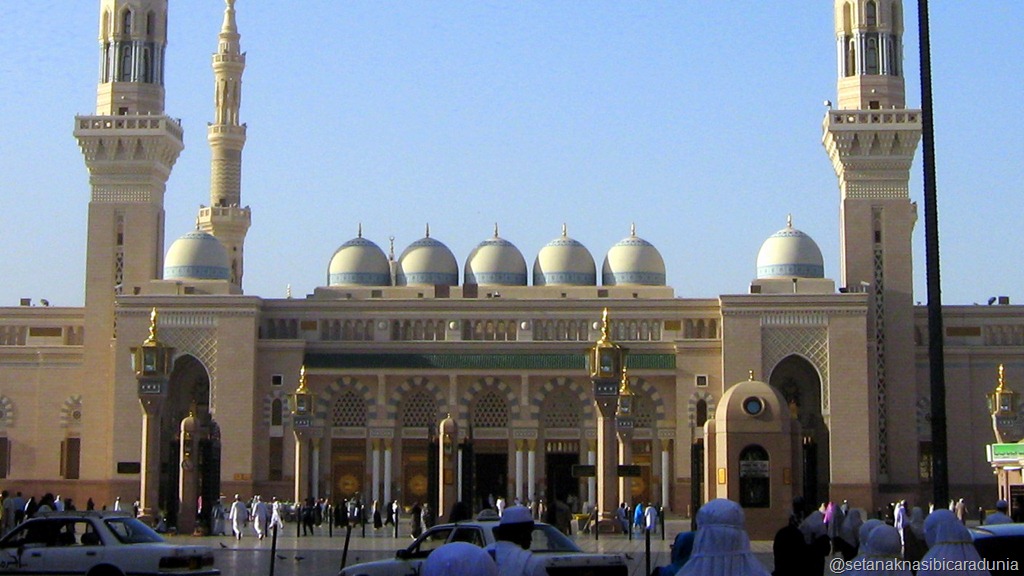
(700, 121)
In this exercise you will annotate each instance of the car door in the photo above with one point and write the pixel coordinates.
(21, 551)
(73, 547)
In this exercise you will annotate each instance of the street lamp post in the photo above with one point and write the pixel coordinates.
(605, 364)
(301, 404)
(152, 363)
(624, 428)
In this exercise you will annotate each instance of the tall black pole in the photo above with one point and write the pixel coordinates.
(936, 360)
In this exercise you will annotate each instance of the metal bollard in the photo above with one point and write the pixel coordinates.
(273, 548)
(647, 550)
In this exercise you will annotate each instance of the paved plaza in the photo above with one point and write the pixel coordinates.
(321, 555)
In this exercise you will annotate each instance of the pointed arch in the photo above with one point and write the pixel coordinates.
(126, 21)
(580, 398)
(710, 405)
(416, 402)
(271, 402)
(499, 394)
(648, 405)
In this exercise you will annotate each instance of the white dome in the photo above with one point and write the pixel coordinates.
(789, 253)
(359, 262)
(197, 256)
(427, 262)
(495, 261)
(564, 262)
(633, 260)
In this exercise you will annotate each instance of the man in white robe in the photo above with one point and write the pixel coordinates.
(260, 517)
(238, 515)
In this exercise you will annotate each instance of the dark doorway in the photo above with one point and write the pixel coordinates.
(491, 471)
(696, 480)
(798, 381)
(560, 483)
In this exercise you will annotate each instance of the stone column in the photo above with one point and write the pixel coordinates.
(607, 460)
(301, 465)
(150, 469)
(315, 475)
(375, 470)
(448, 437)
(531, 470)
(625, 437)
(591, 481)
(666, 474)
(387, 471)
(519, 470)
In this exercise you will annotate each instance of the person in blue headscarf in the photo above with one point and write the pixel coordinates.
(638, 517)
(682, 547)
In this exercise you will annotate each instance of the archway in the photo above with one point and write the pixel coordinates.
(188, 391)
(800, 384)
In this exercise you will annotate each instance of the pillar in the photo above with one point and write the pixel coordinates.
(607, 461)
(315, 479)
(375, 474)
(531, 470)
(150, 477)
(301, 467)
(520, 448)
(591, 480)
(625, 455)
(387, 471)
(666, 474)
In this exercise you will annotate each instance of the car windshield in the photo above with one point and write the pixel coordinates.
(131, 531)
(548, 539)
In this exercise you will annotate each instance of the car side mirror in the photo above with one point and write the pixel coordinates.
(403, 554)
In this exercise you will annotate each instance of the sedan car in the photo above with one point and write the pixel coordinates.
(1002, 545)
(561, 555)
(97, 544)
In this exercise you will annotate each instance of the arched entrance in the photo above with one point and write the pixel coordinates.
(188, 392)
(800, 384)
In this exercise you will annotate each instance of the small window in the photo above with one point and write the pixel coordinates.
(5, 457)
(701, 380)
(70, 458)
(702, 413)
(755, 480)
(275, 412)
(276, 457)
(277, 380)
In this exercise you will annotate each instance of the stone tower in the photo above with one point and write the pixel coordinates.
(871, 138)
(130, 146)
(225, 218)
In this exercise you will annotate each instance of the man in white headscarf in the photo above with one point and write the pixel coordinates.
(948, 539)
(459, 559)
(721, 545)
(511, 549)
(238, 515)
(260, 517)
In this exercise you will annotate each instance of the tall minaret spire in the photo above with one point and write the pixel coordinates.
(225, 218)
(871, 138)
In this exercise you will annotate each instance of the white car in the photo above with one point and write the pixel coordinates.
(561, 555)
(97, 544)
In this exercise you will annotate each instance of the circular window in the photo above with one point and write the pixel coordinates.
(753, 405)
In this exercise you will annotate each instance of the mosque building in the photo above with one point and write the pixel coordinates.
(797, 384)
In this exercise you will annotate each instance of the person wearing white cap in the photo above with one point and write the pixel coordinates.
(458, 559)
(721, 545)
(999, 516)
(948, 539)
(511, 549)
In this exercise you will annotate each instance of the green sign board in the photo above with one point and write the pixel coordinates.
(1005, 452)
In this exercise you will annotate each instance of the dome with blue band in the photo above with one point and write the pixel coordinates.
(564, 262)
(197, 256)
(427, 262)
(495, 261)
(359, 262)
(633, 261)
(790, 253)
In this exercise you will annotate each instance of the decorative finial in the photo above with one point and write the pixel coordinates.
(604, 325)
(495, 229)
(193, 408)
(565, 231)
(391, 253)
(999, 388)
(302, 381)
(197, 222)
(789, 220)
(428, 229)
(750, 375)
(288, 291)
(152, 327)
(624, 389)
(632, 229)
(360, 229)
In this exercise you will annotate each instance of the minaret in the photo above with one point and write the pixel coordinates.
(871, 138)
(225, 218)
(130, 146)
